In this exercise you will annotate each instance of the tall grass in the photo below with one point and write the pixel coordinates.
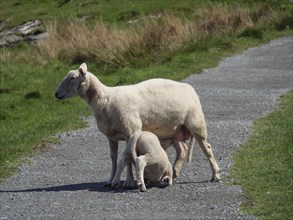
(149, 40)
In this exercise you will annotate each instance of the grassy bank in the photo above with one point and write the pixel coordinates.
(263, 167)
(182, 41)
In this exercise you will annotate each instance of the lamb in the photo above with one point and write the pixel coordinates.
(151, 161)
(169, 109)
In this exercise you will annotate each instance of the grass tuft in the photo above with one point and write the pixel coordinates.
(285, 22)
(251, 32)
(33, 95)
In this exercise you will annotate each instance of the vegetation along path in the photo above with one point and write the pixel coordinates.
(67, 181)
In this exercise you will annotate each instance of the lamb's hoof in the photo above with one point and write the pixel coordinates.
(147, 182)
(141, 188)
(115, 185)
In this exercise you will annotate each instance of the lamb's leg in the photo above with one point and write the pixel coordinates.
(113, 155)
(129, 183)
(180, 149)
(140, 164)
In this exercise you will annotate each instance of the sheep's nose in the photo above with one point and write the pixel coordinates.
(56, 94)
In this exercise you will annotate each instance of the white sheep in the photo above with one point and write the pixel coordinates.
(169, 109)
(151, 162)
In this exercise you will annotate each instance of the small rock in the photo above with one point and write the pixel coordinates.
(30, 31)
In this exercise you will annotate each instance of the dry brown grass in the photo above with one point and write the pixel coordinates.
(146, 41)
(5, 56)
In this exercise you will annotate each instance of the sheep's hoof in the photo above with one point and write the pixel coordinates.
(176, 172)
(115, 185)
(141, 188)
(175, 175)
(216, 178)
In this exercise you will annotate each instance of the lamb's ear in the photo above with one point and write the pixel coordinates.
(82, 69)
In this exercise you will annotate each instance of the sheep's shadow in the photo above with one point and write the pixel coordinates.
(93, 186)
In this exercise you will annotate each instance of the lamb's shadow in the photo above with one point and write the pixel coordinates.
(93, 186)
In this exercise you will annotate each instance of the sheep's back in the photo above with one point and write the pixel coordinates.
(161, 104)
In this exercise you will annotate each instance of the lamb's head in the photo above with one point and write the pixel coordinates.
(167, 180)
(72, 83)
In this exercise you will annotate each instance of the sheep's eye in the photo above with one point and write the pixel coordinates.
(72, 78)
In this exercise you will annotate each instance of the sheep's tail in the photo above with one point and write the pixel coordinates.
(190, 149)
(131, 144)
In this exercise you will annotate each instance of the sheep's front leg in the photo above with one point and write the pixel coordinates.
(113, 155)
(121, 165)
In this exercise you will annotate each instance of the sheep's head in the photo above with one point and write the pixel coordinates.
(71, 84)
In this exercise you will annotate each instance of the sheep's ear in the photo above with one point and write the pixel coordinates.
(82, 69)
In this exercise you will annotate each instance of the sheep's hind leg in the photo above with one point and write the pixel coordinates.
(113, 155)
(207, 149)
(180, 149)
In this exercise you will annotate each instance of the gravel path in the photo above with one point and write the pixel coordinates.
(67, 181)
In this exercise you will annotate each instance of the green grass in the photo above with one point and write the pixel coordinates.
(15, 11)
(263, 167)
(29, 113)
